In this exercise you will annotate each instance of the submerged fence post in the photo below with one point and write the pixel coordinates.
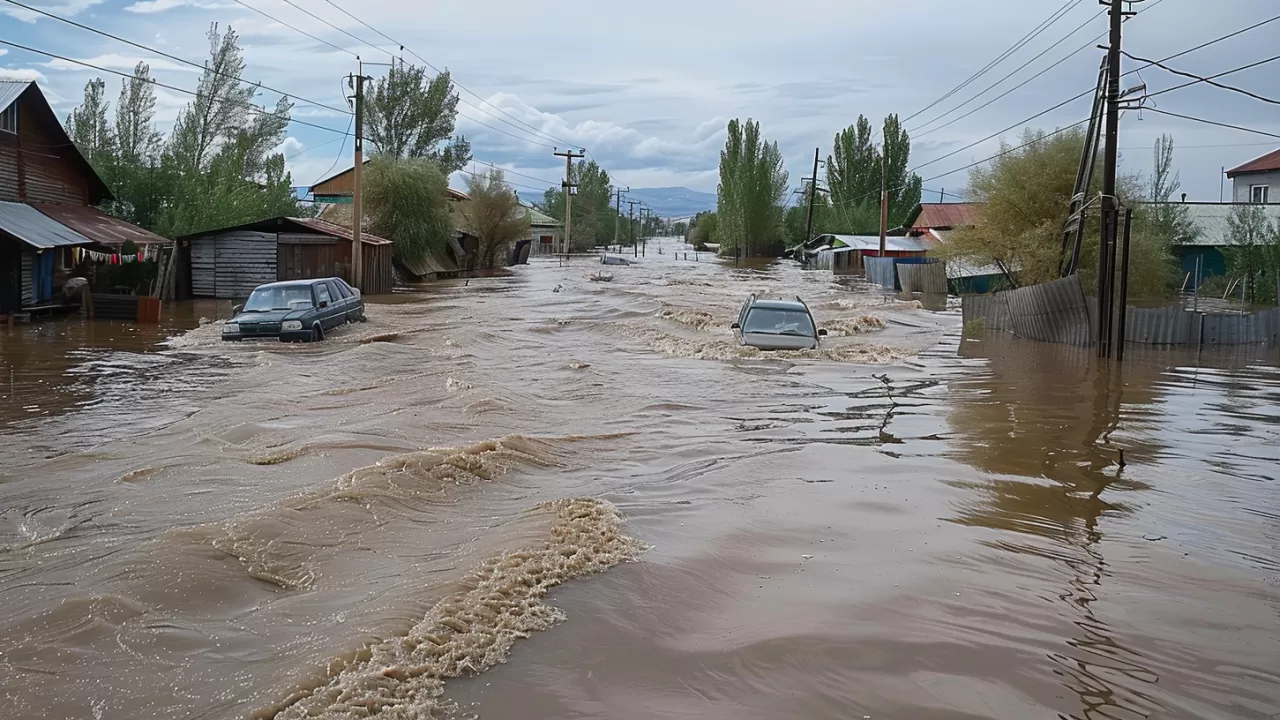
(1124, 286)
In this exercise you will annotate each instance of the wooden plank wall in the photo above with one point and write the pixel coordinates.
(303, 256)
(28, 285)
(36, 166)
(376, 270)
(230, 265)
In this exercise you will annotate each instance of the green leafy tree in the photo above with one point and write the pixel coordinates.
(1025, 194)
(406, 203)
(1253, 254)
(749, 197)
(594, 216)
(494, 215)
(408, 115)
(704, 230)
(138, 146)
(857, 169)
(91, 132)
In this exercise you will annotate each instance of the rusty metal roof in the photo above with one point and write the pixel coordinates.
(99, 226)
(278, 224)
(1266, 163)
(39, 231)
(946, 215)
(327, 228)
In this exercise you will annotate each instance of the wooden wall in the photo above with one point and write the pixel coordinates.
(37, 166)
(230, 265)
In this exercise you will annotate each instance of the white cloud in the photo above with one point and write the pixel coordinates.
(146, 7)
(69, 7)
(116, 61)
(23, 74)
(4, 51)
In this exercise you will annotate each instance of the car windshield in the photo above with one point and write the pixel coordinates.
(280, 297)
(774, 321)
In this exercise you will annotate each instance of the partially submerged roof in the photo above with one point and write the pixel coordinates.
(36, 229)
(93, 223)
(1266, 163)
(292, 224)
(944, 216)
(848, 243)
(29, 93)
(1210, 220)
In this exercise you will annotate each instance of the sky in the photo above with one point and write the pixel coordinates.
(648, 88)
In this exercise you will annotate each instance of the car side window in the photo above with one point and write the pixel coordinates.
(322, 293)
(337, 290)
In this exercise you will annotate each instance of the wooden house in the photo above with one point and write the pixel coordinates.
(47, 190)
(338, 189)
(228, 263)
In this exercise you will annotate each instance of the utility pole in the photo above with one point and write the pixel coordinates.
(631, 220)
(617, 214)
(813, 191)
(1110, 203)
(884, 201)
(569, 156)
(357, 216)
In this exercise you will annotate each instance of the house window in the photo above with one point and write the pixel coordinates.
(9, 118)
(68, 258)
(1259, 193)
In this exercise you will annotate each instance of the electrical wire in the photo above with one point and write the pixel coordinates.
(1212, 122)
(338, 158)
(1044, 25)
(253, 109)
(513, 172)
(1209, 79)
(295, 28)
(460, 86)
(169, 56)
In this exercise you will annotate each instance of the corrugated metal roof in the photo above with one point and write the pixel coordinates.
(1266, 163)
(540, 219)
(36, 229)
(99, 226)
(872, 242)
(1210, 220)
(327, 228)
(946, 215)
(10, 90)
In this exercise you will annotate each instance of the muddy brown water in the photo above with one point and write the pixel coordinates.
(544, 496)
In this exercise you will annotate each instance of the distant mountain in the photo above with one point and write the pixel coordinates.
(673, 201)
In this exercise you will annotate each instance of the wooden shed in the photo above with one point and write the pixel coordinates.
(230, 262)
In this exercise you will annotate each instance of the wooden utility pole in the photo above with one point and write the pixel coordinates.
(617, 215)
(1110, 203)
(569, 186)
(631, 220)
(357, 215)
(813, 191)
(884, 201)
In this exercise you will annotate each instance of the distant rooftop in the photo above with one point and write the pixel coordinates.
(1266, 163)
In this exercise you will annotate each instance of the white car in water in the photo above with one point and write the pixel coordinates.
(777, 324)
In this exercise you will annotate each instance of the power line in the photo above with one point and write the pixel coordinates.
(175, 58)
(460, 86)
(1209, 79)
(1009, 150)
(513, 172)
(1053, 18)
(254, 109)
(337, 158)
(504, 132)
(358, 39)
(1212, 122)
(295, 28)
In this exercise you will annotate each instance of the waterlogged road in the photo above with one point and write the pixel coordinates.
(589, 481)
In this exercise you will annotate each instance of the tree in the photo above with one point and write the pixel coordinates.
(494, 215)
(89, 129)
(138, 146)
(857, 169)
(409, 116)
(1169, 220)
(406, 203)
(749, 197)
(1025, 194)
(1253, 254)
(704, 230)
(594, 216)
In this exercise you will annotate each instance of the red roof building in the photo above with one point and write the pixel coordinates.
(1257, 181)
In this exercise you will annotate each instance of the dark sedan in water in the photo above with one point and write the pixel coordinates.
(296, 310)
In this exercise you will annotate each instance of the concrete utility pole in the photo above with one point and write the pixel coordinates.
(813, 191)
(569, 156)
(357, 178)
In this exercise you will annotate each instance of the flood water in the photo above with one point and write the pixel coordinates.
(550, 496)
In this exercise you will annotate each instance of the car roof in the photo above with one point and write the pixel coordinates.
(779, 304)
(286, 283)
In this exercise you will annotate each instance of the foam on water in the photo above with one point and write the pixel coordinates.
(473, 629)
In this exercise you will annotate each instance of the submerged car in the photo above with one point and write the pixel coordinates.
(295, 310)
(777, 324)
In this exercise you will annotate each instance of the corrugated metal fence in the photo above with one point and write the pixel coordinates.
(1050, 312)
(1172, 325)
(880, 270)
(927, 277)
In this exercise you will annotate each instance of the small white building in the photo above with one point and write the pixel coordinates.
(545, 232)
